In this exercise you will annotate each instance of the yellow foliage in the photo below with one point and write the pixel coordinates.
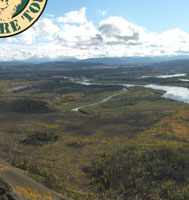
(173, 127)
(48, 125)
(33, 195)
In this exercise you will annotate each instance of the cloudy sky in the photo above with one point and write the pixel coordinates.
(103, 28)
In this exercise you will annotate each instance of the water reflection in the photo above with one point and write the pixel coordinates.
(164, 76)
(170, 76)
(184, 80)
(172, 92)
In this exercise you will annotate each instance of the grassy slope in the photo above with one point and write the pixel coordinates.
(25, 187)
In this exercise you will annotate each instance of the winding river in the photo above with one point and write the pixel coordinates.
(99, 102)
(171, 92)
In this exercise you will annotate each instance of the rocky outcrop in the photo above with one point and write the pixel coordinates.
(6, 192)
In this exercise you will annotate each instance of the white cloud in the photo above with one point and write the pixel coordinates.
(28, 37)
(74, 17)
(118, 30)
(74, 36)
(11, 40)
(49, 15)
(43, 30)
(103, 12)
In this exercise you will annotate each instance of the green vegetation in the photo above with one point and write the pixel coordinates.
(75, 144)
(40, 137)
(45, 177)
(135, 145)
(160, 173)
(41, 175)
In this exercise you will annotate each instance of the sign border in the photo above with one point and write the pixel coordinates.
(29, 25)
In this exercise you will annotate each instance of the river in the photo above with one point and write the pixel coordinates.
(171, 92)
(164, 76)
(99, 102)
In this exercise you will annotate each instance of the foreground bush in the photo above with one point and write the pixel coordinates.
(160, 173)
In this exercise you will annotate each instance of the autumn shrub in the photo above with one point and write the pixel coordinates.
(160, 173)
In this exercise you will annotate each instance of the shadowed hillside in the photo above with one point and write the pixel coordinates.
(25, 106)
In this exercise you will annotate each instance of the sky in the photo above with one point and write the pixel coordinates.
(101, 28)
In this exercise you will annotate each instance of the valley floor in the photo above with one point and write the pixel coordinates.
(134, 145)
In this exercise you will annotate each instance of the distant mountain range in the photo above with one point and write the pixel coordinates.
(135, 60)
(99, 61)
(173, 64)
